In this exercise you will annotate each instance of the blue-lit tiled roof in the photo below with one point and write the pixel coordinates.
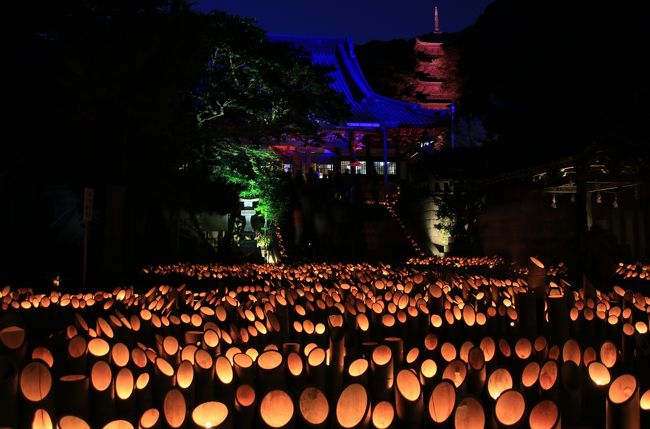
(368, 109)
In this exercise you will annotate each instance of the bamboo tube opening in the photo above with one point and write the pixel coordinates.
(383, 415)
(442, 402)
(448, 352)
(510, 408)
(119, 424)
(101, 376)
(316, 357)
(98, 347)
(209, 414)
(245, 395)
(12, 337)
(164, 367)
(408, 385)
(381, 355)
(589, 356)
(599, 374)
(42, 420)
(43, 354)
(488, 346)
(174, 409)
(622, 389)
(184, 374)
(352, 406)
(523, 348)
(139, 358)
(72, 422)
(428, 369)
(475, 359)
(412, 356)
(124, 383)
(314, 408)
(269, 360)
(430, 342)
(469, 414)
(571, 352)
(203, 359)
(142, 381)
(150, 418)
(35, 381)
(548, 375)
(608, 354)
(224, 370)
(530, 374)
(456, 372)
(499, 381)
(276, 409)
(294, 364)
(120, 355)
(544, 415)
(644, 402)
(358, 367)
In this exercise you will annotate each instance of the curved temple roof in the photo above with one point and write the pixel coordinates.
(368, 109)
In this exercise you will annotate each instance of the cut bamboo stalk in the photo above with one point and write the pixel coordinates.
(408, 399)
(41, 420)
(277, 410)
(72, 396)
(382, 373)
(469, 414)
(545, 415)
(353, 409)
(35, 386)
(623, 405)
(383, 415)
(509, 410)
(441, 404)
(211, 414)
(174, 409)
(72, 422)
(313, 408)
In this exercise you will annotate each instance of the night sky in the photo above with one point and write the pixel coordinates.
(362, 20)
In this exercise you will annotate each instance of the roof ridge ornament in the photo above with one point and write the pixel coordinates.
(436, 21)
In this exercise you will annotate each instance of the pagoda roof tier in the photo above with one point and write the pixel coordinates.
(368, 109)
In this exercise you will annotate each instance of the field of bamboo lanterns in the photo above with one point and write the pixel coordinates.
(457, 343)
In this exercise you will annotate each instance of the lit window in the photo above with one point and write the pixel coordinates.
(359, 169)
(286, 167)
(392, 167)
(324, 170)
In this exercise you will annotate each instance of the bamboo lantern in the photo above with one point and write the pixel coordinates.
(8, 393)
(529, 379)
(313, 408)
(41, 420)
(448, 352)
(428, 372)
(548, 380)
(277, 410)
(72, 422)
(244, 406)
(358, 371)
(211, 414)
(163, 379)
(43, 354)
(174, 409)
(623, 405)
(170, 349)
(205, 373)
(442, 403)
(225, 377)
(509, 410)
(295, 369)
(316, 369)
(336, 350)
(477, 371)
(353, 407)
(13, 341)
(101, 393)
(119, 424)
(143, 391)
(120, 355)
(383, 415)
(599, 379)
(408, 399)
(382, 373)
(243, 366)
(456, 372)
(540, 347)
(609, 355)
(185, 382)
(469, 414)
(397, 352)
(545, 415)
(499, 381)
(36, 389)
(270, 369)
(72, 396)
(644, 404)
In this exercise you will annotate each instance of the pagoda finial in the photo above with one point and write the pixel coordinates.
(436, 21)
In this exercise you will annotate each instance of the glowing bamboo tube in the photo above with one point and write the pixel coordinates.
(225, 379)
(8, 393)
(244, 406)
(316, 367)
(72, 422)
(185, 382)
(101, 393)
(150, 419)
(41, 420)
(163, 379)
(623, 405)
(382, 373)
(174, 409)
(270, 369)
(35, 387)
(549, 380)
(336, 352)
(204, 379)
(529, 379)
(545, 415)
(408, 399)
(627, 346)
(295, 368)
(98, 349)
(456, 372)
(397, 352)
(313, 408)
(277, 410)
(353, 407)
(143, 391)
(441, 404)
(599, 380)
(499, 381)
(644, 404)
(477, 372)
(428, 375)
(509, 410)
(12, 340)
(358, 372)
(244, 368)
(72, 396)
(120, 355)
(540, 347)
(469, 414)
(383, 415)
(211, 414)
